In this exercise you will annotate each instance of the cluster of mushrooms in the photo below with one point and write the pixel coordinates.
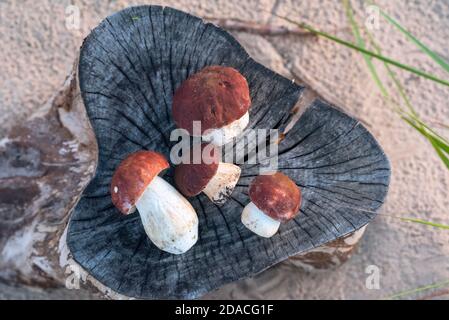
(218, 97)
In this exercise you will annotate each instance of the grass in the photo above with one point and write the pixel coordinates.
(411, 117)
(408, 113)
(405, 219)
(365, 51)
(418, 290)
(434, 56)
(428, 223)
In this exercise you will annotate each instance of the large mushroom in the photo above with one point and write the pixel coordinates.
(216, 179)
(275, 198)
(168, 218)
(218, 97)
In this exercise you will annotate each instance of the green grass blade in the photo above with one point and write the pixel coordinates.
(433, 55)
(398, 85)
(439, 145)
(439, 142)
(393, 77)
(440, 154)
(417, 290)
(415, 118)
(361, 43)
(414, 220)
(444, 142)
(370, 53)
(428, 223)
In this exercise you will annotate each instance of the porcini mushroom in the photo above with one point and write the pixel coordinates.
(218, 97)
(168, 218)
(216, 179)
(275, 198)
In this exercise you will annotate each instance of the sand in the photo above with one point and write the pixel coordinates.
(38, 51)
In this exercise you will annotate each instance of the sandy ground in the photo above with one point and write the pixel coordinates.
(38, 50)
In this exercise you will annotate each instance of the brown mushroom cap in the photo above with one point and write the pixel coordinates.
(216, 96)
(190, 178)
(132, 176)
(276, 195)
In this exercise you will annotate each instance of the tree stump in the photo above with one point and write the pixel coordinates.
(329, 255)
(129, 67)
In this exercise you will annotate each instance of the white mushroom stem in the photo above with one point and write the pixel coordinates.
(258, 222)
(222, 184)
(168, 218)
(223, 135)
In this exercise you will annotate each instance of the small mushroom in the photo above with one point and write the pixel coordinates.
(216, 179)
(274, 198)
(219, 98)
(168, 218)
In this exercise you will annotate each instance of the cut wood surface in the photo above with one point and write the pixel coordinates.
(129, 67)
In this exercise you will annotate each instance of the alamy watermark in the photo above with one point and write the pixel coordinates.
(372, 281)
(74, 276)
(372, 21)
(254, 146)
(72, 17)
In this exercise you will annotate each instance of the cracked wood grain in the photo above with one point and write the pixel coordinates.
(129, 67)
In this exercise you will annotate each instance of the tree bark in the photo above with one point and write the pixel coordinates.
(330, 255)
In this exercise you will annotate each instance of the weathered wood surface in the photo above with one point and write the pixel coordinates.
(329, 255)
(45, 164)
(129, 67)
